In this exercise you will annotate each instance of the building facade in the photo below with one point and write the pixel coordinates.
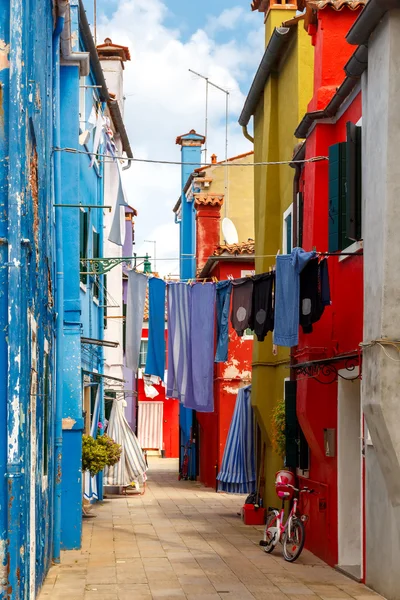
(277, 99)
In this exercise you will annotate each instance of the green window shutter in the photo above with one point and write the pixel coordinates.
(353, 176)
(337, 197)
(291, 425)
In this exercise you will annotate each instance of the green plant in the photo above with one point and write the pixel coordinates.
(278, 429)
(99, 453)
(113, 449)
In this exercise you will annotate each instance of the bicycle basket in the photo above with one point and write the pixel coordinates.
(282, 481)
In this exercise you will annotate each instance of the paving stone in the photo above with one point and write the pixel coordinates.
(180, 540)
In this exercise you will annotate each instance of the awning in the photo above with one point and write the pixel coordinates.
(238, 469)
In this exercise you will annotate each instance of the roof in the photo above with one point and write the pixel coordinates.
(368, 20)
(235, 249)
(191, 135)
(208, 199)
(110, 50)
(277, 45)
(238, 157)
(336, 4)
(260, 5)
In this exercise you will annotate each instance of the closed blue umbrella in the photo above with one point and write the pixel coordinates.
(238, 469)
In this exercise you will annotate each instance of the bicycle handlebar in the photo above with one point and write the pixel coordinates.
(303, 490)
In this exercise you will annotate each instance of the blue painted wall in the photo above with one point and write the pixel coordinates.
(189, 154)
(83, 313)
(26, 298)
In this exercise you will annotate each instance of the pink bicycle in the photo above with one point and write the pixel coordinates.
(292, 533)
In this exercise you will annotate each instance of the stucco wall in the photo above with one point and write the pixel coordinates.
(285, 100)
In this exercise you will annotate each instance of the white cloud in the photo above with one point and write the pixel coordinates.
(229, 19)
(164, 100)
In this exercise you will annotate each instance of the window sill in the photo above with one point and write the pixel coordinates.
(353, 248)
(95, 300)
(83, 287)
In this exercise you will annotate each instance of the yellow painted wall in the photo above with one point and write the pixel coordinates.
(240, 205)
(282, 106)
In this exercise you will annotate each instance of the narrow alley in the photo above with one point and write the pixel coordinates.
(181, 540)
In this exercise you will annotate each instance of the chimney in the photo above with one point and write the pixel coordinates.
(208, 224)
(213, 159)
(112, 58)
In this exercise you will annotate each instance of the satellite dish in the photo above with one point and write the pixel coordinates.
(229, 232)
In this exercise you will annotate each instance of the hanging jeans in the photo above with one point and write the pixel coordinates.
(224, 291)
(287, 296)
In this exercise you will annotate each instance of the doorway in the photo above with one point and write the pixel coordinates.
(350, 479)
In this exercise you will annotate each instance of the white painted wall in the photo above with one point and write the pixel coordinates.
(349, 473)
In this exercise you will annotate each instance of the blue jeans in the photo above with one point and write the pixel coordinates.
(224, 291)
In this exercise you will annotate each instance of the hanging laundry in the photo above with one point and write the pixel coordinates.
(325, 286)
(242, 304)
(118, 226)
(155, 362)
(224, 292)
(100, 122)
(136, 297)
(202, 326)
(238, 468)
(262, 319)
(287, 296)
(311, 307)
(179, 379)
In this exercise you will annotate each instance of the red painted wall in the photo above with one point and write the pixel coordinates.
(228, 378)
(171, 413)
(340, 329)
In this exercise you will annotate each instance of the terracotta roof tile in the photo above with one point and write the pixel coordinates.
(208, 199)
(112, 50)
(235, 249)
(238, 157)
(337, 4)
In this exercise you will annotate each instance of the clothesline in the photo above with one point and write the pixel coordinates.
(191, 164)
(251, 256)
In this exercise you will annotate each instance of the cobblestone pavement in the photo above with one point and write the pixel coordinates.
(181, 540)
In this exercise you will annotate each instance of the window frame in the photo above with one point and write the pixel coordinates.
(288, 213)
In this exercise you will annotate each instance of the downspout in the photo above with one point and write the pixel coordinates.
(14, 384)
(247, 135)
(62, 7)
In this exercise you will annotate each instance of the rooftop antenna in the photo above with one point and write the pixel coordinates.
(226, 92)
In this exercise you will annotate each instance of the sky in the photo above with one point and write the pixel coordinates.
(221, 39)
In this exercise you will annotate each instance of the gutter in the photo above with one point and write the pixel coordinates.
(354, 69)
(103, 91)
(278, 42)
(69, 56)
(371, 15)
(62, 7)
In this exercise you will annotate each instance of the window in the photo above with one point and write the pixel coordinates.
(96, 254)
(46, 402)
(82, 103)
(143, 353)
(297, 450)
(345, 191)
(83, 242)
(287, 241)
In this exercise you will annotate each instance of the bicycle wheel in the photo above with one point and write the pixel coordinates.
(294, 544)
(271, 532)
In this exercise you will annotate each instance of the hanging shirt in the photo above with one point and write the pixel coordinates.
(262, 319)
(155, 361)
(242, 304)
(136, 297)
(179, 379)
(314, 293)
(224, 292)
(202, 326)
(287, 296)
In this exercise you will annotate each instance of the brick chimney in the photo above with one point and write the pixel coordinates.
(208, 223)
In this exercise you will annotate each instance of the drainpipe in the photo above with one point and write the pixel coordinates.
(62, 7)
(15, 386)
(247, 135)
